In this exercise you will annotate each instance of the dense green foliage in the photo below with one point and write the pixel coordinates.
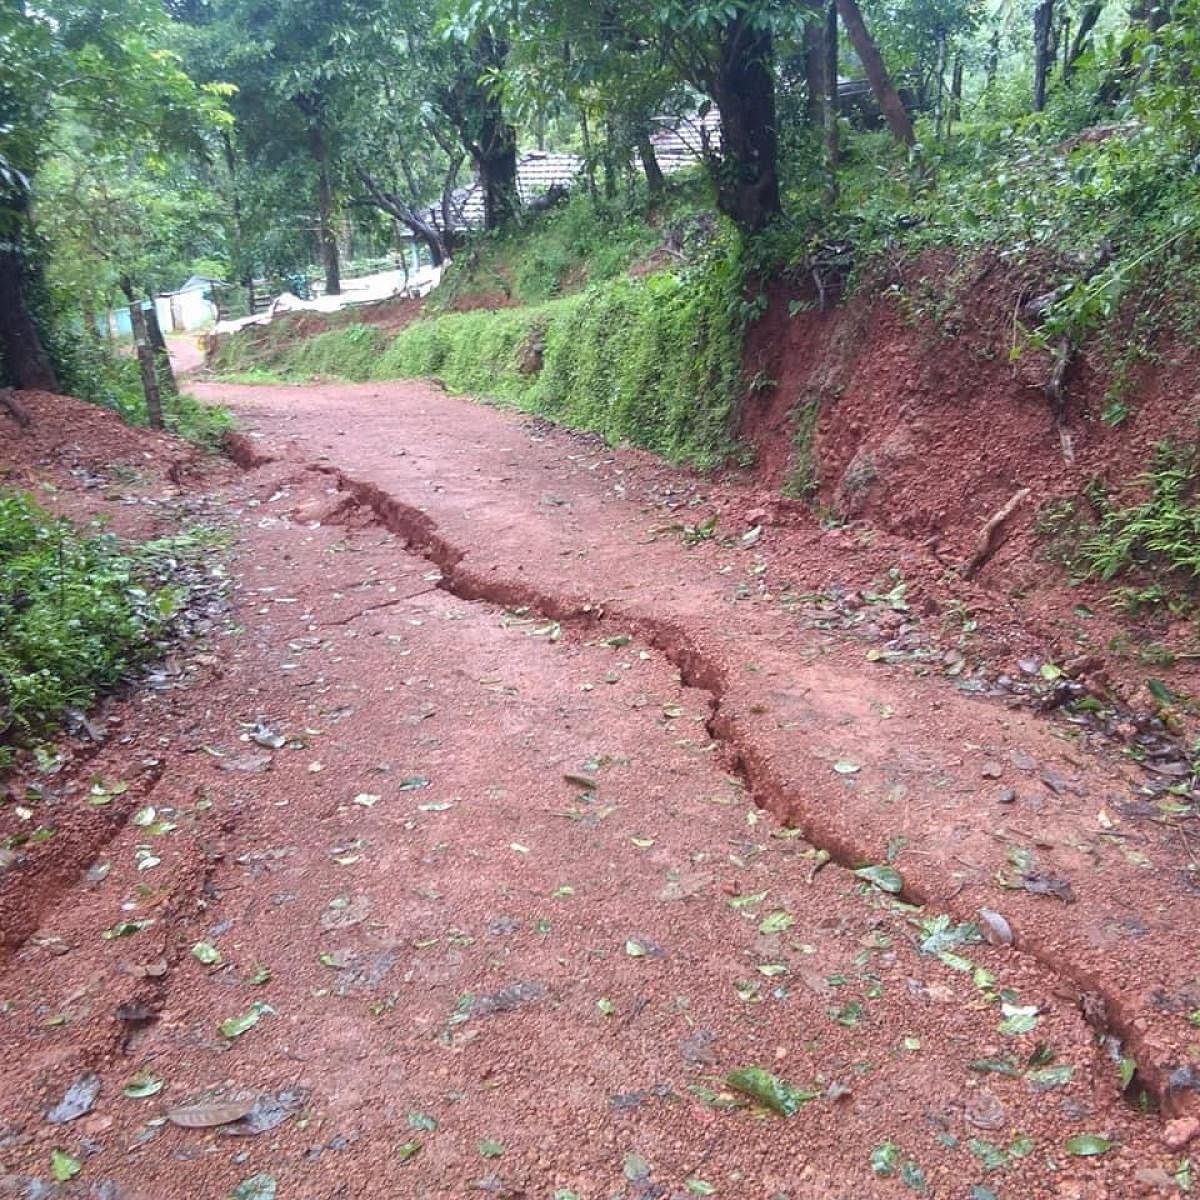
(1159, 535)
(583, 241)
(77, 611)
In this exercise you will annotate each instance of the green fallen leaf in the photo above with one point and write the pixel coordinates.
(143, 1084)
(886, 878)
(490, 1148)
(740, 902)
(1088, 1145)
(257, 1187)
(104, 793)
(1126, 1069)
(127, 928)
(635, 1168)
(990, 1156)
(260, 974)
(634, 948)
(206, 953)
(1021, 1147)
(769, 1090)
(912, 1175)
(850, 1014)
(1046, 1078)
(1018, 1019)
(408, 1150)
(700, 1187)
(996, 1066)
(64, 1166)
(605, 1007)
(776, 922)
(422, 1121)
(234, 1027)
(844, 766)
(770, 970)
(414, 783)
(885, 1159)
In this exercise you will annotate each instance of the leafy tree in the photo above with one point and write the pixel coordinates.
(102, 65)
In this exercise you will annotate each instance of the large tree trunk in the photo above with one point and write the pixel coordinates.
(888, 98)
(495, 152)
(746, 172)
(956, 82)
(24, 359)
(328, 237)
(650, 165)
(1043, 22)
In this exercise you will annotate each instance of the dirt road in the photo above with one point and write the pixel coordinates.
(518, 815)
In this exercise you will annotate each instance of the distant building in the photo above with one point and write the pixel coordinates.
(181, 311)
(679, 141)
(537, 172)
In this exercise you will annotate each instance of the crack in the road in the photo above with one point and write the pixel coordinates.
(1098, 1003)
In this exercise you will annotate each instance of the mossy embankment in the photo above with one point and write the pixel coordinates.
(625, 323)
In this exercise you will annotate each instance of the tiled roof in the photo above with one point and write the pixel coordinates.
(676, 140)
(537, 172)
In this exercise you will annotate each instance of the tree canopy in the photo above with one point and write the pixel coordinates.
(140, 140)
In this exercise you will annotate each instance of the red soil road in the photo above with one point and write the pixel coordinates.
(558, 977)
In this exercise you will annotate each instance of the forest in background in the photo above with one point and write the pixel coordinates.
(142, 141)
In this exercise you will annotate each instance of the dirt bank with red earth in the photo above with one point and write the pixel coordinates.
(498, 826)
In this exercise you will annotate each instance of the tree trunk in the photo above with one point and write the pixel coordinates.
(589, 159)
(496, 150)
(408, 216)
(1120, 77)
(23, 358)
(650, 166)
(992, 62)
(1087, 22)
(162, 356)
(829, 106)
(956, 82)
(610, 159)
(888, 98)
(328, 238)
(450, 218)
(1043, 20)
(814, 75)
(145, 357)
(746, 173)
(940, 102)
